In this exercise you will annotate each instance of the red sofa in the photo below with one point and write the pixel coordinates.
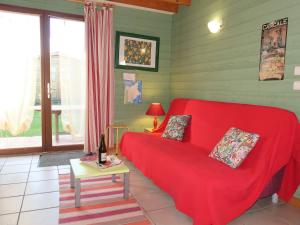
(205, 189)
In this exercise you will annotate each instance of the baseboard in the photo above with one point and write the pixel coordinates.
(295, 202)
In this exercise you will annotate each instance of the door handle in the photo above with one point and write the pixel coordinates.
(48, 90)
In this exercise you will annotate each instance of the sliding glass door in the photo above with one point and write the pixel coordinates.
(20, 89)
(42, 81)
(68, 73)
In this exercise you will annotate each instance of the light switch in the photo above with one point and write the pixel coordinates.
(296, 86)
(297, 70)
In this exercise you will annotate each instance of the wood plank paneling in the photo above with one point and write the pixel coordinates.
(224, 66)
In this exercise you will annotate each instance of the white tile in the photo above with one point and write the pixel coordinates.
(141, 186)
(35, 158)
(40, 217)
(18, 160)
(64, 167)
(43, 175)
(40, 201)
(130, 165)
(63, 171)
(9, 219)
(13, 178)
(35, 167)
(168, 216)
(15, 169)
(2, 160)
(10, 205)
(154, 201)
(42, 186)
(10, 190)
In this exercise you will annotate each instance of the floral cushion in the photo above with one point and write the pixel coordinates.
(176, 126)
(234, 147)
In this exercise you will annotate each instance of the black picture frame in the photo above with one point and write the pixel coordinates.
(120, 52)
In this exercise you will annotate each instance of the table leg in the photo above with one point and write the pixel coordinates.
(126, 185)
(72, 178)
(117, 142)
(56, 127)
(77, 192)
(114, 178)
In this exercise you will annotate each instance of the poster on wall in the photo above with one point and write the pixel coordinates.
(272, 50)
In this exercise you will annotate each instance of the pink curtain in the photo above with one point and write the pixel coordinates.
(100, 74)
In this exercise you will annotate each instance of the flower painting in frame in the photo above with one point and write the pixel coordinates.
(136, 51)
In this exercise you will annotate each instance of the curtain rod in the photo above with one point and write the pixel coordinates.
(105, 2)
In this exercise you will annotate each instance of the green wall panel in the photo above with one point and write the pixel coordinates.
(156, 86)
(224, 66)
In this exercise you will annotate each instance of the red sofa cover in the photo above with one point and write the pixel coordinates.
(204, 188)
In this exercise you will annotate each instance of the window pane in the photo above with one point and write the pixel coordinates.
(67, 48)
(20, 114)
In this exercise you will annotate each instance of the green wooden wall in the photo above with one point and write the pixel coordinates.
(224, 66)
(155, 85)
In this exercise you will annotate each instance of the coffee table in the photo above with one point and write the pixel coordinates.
(81, 170)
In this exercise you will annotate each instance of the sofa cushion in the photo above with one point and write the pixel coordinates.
(234, 147)
(176, 126)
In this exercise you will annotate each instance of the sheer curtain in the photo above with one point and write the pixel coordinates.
(100, 81)
(67, 41)
(19, 68)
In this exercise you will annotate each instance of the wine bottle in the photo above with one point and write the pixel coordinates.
(102, 151)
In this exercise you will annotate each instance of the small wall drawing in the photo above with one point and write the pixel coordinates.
(132, 92)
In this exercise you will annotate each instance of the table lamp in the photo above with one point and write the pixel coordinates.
(155, 109)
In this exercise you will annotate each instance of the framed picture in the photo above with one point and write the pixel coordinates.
(137, 52)
(272, 51)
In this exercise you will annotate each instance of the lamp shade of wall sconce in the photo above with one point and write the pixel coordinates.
(155, 109)
(214, 26)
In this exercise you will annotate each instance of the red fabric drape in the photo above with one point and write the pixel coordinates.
(100, 72)
(205, 189)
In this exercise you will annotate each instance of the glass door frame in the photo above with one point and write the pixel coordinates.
(46, 114)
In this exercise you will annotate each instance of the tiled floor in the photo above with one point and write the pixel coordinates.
(29, 196)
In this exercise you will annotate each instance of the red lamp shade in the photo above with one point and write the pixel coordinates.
(155, 109)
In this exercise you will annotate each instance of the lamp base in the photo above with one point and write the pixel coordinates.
(154, 123)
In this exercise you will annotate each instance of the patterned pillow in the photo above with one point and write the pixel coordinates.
(234, 147)
(176, 126)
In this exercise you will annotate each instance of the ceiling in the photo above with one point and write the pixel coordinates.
(170, 6)
(165, 5)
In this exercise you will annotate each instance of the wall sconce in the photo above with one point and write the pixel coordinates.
(214, 26)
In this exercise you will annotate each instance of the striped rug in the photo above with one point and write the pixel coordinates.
(102, 203)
